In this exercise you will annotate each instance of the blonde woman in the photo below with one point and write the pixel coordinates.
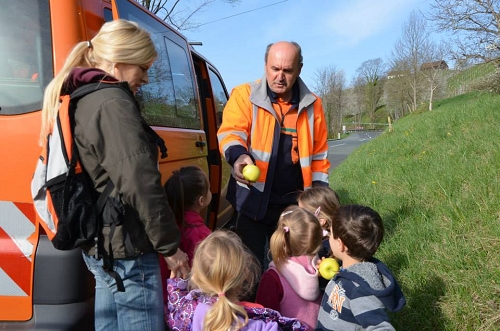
(114, 144)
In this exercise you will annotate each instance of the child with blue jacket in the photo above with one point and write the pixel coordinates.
(359, 295)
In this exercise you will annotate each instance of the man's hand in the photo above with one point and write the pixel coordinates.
(238, 166)
(178, 264)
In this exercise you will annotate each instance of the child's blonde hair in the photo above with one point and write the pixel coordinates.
(322, 197)
(118, 41)
(224, 267)
(298, 233)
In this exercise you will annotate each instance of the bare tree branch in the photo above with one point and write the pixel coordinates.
(330, 87)
(372, 73)
(180, 17)
(474, 24)
(410, 52)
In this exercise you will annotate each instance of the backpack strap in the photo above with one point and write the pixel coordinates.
(83, 90)
(104, 196)
(108, 263)
(101, 202)
(158, 140)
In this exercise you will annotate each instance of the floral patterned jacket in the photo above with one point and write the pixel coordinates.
(182, 304)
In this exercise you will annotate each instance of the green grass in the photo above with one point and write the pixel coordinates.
(436, 182)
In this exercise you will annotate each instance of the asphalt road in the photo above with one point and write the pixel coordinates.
(339, 150)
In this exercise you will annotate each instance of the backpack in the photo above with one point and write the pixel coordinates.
(64, 196)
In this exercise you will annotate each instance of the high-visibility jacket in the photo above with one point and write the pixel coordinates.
(251, 126)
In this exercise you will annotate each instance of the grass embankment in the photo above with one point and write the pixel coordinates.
(436, 182)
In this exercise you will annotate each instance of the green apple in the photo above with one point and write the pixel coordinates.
(251, 172)
(328, 267)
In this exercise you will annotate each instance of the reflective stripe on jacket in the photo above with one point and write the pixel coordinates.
(251, 126)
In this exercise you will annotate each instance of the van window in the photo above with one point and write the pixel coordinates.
(182, 77)
(170, 98)
(25, 55)
(220, 96)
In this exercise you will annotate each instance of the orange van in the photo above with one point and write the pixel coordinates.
(42, 288)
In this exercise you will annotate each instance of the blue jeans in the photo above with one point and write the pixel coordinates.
(140, 307)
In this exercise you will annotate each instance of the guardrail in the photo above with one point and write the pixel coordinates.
(365, 127)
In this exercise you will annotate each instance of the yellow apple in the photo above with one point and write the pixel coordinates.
(251, 172)
(328, 267)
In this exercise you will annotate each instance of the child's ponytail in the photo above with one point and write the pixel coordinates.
(224, 267)
(279, 243)
(175, 196)
(225, 315)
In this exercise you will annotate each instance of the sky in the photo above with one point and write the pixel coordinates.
(332, 33)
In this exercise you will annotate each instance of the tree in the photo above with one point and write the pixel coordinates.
(179, 15)
(410, 52)
(372, 73)
(330, 87)
(435, 72)
(475, 26)
(397, 92)
(353, 101)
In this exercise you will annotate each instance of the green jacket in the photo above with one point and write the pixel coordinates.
(114, 145)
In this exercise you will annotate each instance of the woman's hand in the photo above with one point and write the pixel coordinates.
(178, 264)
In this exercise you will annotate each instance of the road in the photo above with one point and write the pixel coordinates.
(340, 149)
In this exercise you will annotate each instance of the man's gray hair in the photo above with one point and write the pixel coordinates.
(299, 50)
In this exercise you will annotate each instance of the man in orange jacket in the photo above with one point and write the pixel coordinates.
(279, 125)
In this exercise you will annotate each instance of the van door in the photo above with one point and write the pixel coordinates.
(211, 123)
(220, 97)
(214, 94)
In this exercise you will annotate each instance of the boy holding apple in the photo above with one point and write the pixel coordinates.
(358, 295)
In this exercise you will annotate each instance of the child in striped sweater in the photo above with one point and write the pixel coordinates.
(358, 296)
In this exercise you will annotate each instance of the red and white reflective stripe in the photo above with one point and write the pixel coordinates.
(16, 250)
